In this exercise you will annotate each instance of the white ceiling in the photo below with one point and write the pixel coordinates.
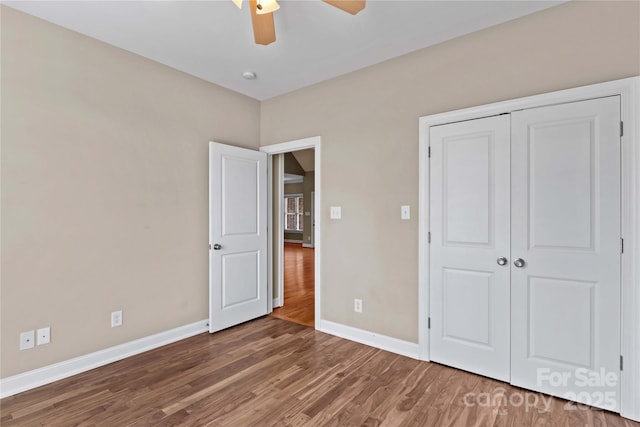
(315, 41)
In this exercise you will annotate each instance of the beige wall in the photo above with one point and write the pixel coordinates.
(104, 190)
(293, 236)
(368, 121)
(296, 188)
(104, 169)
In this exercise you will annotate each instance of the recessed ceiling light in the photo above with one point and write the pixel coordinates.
(249, 75)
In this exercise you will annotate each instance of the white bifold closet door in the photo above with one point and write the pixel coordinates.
(565, 225)
(541, 189)
(469, 233)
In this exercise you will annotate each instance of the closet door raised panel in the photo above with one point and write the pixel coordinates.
(470, 231)
(565, 221)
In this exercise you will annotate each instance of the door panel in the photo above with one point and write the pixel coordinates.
(240, 196)
(469, 231)
(467, 179)
(566, 227)
(569, 303)
(562, 194)
(240, 268)
(470, 323)
(238, 224)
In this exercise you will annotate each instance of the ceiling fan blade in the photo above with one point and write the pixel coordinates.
(350, 6)
(264, 31)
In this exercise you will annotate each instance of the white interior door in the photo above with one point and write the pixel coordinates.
(238, 288)
(469, 222)
(566, 230)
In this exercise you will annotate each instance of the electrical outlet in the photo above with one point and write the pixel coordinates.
(357, 305)
(27, 340)
(43, 336)
(116, 318)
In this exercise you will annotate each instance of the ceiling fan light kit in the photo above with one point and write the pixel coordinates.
(267, 6)
(264, 31)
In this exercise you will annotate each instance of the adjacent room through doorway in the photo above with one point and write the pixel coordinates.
(296, 286)
(299, 285)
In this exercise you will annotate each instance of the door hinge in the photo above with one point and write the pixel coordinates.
(621, 128)
(621, 362)
(429, 237)
(209, 246)
(429, 151)
(428, 322)
(621, 245)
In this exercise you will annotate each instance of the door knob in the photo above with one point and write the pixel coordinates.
(502, 261)
(217, 247)
(519, 262)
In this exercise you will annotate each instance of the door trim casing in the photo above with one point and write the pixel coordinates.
(313, 142)
(629, 91)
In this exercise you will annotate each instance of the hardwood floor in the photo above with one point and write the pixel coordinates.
(299, 285)
(270, 372)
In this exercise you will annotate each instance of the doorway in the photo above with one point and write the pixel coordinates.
(295, 302)
(295, 261)
(298, 287)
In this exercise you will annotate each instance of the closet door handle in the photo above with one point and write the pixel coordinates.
(502, 261)
(519, 262)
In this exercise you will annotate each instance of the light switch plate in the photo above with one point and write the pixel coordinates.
(336, 212)
(405, 212)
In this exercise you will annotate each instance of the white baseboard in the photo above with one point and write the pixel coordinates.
(292, 241)
(394, 345)
(48, 374)
(277, 302)
(307, 245)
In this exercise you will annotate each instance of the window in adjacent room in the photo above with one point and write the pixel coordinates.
(294, 212)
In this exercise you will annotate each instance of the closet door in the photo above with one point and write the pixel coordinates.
(565, 289)
(469, 222)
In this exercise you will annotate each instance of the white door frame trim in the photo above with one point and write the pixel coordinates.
(313, 142)
(313, 221)
(278, 210)
(629, 91)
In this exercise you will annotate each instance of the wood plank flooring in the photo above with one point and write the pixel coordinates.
(299, 285)
(270, 372)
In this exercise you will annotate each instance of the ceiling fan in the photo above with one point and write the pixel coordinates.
(264, 31)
